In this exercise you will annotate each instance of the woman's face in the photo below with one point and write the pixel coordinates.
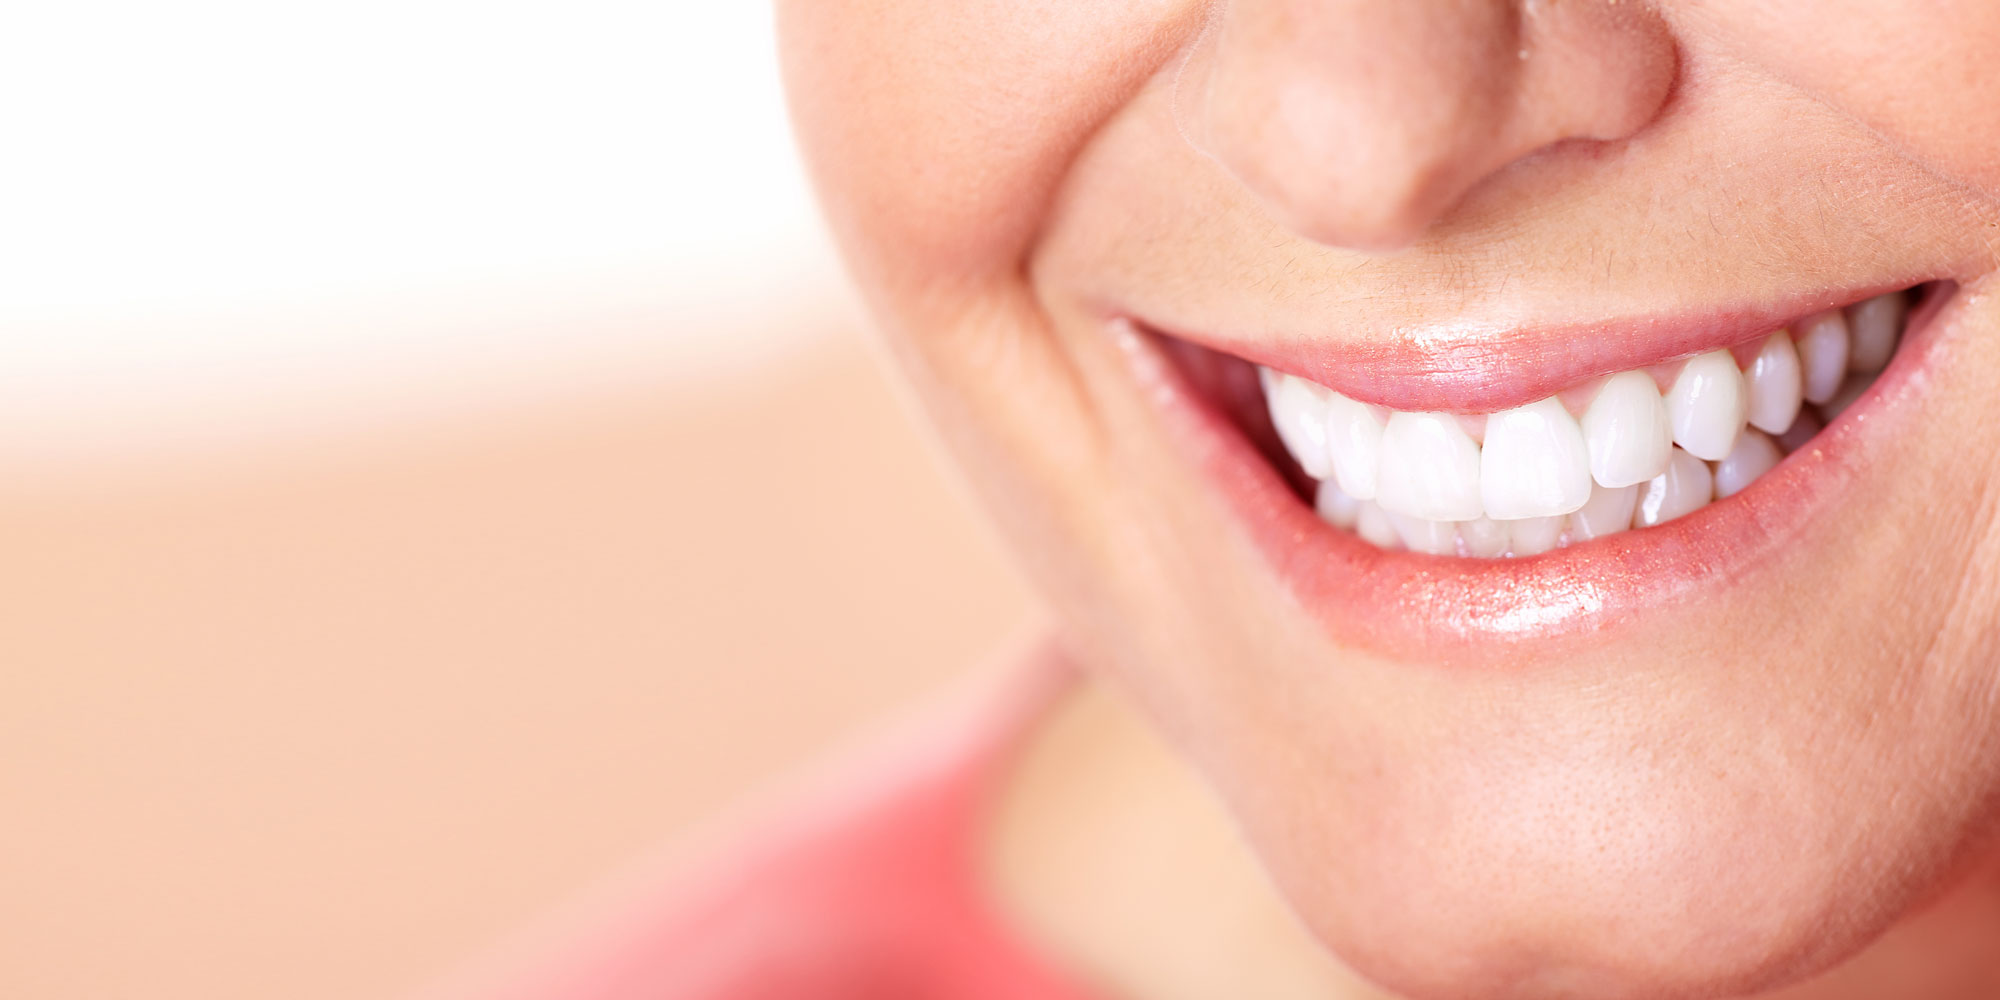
(1705, 756)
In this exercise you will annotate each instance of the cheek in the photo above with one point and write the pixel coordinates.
(1918, 73)
(937, 132)
(936, 129)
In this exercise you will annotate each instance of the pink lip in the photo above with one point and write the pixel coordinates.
(1492, 612)
(1467, 368)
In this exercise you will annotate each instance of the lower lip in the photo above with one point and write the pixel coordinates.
(1496, 612)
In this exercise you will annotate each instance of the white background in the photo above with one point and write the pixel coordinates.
(221, 219)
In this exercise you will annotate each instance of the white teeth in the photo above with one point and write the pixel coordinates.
(1684, 488)
(1707, 405)
(1823, 346)
(1483, 537)
(1753, 456)
(1874, 325)
(1523, 481)
(1335, 506)
(1429, 469)
(1626, 431)
(1776, 384)
(1371, 522)
(1534, 463)
(1298, 413)
(1532, 536)
(1608, 512)
(1354, 439)
(1439, 538)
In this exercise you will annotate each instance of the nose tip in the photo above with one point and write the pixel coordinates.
(1362, 123)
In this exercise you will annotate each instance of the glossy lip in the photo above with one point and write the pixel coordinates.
(1491, 612)
(1469, 368)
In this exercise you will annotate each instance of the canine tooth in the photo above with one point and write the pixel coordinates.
(1354, 444)
(1608, 512)
(1850, 391)
(1371, 522)
(1439, 538)
(1707, 405)
(1874, 325)
(1753, 456)
(1801, 431)
(1776, 385)
(1534, 463)
(1298, 413)
(1336, 506)
(1429, 468)
(1532, 536)
(1626, 431)
(1684, 488)
(1483, 537)
(1823, 348)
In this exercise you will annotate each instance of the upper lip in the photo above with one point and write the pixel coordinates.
(1470, 366)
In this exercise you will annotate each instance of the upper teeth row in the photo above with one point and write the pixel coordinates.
(1539, 460)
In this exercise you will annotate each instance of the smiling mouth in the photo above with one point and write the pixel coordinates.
(1584, 480)
(1631, 450)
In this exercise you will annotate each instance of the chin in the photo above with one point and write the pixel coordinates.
(1660, 908)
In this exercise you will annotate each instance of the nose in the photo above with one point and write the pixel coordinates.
(1361, 123)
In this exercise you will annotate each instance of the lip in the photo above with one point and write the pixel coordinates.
(1474, 367)
(1494, 612)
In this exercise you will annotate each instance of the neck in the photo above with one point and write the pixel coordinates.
(1111, 855)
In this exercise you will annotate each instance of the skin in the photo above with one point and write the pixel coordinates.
(1787, 772)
